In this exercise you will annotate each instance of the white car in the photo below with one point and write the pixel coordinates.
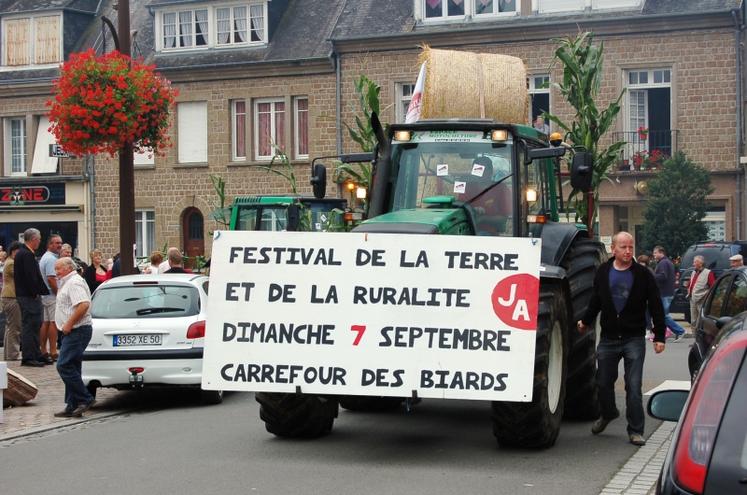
(148, 331)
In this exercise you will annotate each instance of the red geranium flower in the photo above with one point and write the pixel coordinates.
(101, 103)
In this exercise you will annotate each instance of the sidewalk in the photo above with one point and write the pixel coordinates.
(38, 414)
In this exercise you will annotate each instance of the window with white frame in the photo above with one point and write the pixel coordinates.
(493, 7)
(212, 26)
(191, 121)
(145, 232)
(551, 6)
(269, 127)
(35, 40)
(15, 146)
(238, 130)
(185, 28)
(440, 9)
(435, 10)
(539, 93)
(301, 127)
(404, 96)
(648, 113)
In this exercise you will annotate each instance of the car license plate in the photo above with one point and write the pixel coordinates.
(142, 339)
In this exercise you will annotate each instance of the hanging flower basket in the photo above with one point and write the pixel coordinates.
(103, 102)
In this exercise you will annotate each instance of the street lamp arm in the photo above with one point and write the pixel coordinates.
(106, 21)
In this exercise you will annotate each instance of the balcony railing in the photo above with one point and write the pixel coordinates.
(645, 149)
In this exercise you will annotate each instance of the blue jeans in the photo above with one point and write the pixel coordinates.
(31, 320)
(673, 325)
(69, 365)
(609, 353)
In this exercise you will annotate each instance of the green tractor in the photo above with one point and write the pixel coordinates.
(480, 177)
(293, 212)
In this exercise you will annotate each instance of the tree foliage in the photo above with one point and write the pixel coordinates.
(676, 206)
(582, 77)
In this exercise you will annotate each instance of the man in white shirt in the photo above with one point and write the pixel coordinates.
(73, 318)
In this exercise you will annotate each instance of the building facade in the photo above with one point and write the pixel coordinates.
(40, 187)
(255, 76)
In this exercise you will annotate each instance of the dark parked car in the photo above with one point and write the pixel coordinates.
(716, 255)
(726, 299)
(708, 453)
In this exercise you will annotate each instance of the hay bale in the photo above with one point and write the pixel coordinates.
(474, 85)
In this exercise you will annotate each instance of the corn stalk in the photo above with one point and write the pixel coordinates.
(582, 61)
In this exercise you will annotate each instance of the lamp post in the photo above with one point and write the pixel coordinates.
(126, 165)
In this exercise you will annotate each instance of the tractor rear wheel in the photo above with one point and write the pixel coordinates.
(536, 424)
(297, 415)
(581, 400)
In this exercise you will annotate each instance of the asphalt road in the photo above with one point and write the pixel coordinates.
(172, 444)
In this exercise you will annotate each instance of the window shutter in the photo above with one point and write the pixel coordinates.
(47, 39)
(192, 131)
(17, 38)
(43, 163)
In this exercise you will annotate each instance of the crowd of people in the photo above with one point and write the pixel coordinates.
(46, 306)
(30, 288)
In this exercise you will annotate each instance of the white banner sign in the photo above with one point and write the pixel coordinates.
(372, 314)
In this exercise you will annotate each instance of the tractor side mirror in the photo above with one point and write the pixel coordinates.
(319, 180)
(581, 171)
(294, 216)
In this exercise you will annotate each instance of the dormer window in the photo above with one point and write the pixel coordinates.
(435, 9)
(212, 26)
(455, 10)
(185, 29)
(487, 7)
(32, 40)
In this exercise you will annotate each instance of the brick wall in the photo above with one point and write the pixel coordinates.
(169, 188)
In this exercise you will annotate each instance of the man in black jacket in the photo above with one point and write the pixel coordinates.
(623, 290)
(30, 287)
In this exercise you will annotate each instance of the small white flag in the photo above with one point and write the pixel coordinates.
(413, 110)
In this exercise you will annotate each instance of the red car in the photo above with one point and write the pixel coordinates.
(708, 454)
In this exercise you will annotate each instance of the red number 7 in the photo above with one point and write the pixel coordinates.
(361, 329)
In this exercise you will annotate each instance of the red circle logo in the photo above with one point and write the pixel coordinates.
(516, 299)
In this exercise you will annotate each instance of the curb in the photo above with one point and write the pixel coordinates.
(42, 429)
(639, 475)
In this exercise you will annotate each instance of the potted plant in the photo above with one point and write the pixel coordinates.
(100, 103)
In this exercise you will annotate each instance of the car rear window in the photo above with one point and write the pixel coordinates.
(145, 301)
(716, 258)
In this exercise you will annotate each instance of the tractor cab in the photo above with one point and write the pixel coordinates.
(468, 177)
(292, 213)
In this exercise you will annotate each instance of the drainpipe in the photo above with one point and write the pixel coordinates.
(738, 54)
(90, 172)
(338, 101)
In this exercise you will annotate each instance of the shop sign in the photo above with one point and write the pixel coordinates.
(41, 194)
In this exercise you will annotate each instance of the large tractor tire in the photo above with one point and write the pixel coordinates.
(362, 403)
(297, 415)
(581, 263)
(536, 424)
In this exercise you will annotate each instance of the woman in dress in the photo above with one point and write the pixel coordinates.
(96, 273)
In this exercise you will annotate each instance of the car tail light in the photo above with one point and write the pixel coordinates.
(701, 420)
(136, 370)
(196, 330)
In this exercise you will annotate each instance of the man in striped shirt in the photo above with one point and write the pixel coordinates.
(73, 318)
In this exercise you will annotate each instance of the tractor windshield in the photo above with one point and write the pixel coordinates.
(463, 165)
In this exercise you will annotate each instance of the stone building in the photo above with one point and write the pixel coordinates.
(38, 190)
(676, 61)
(255, 73)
